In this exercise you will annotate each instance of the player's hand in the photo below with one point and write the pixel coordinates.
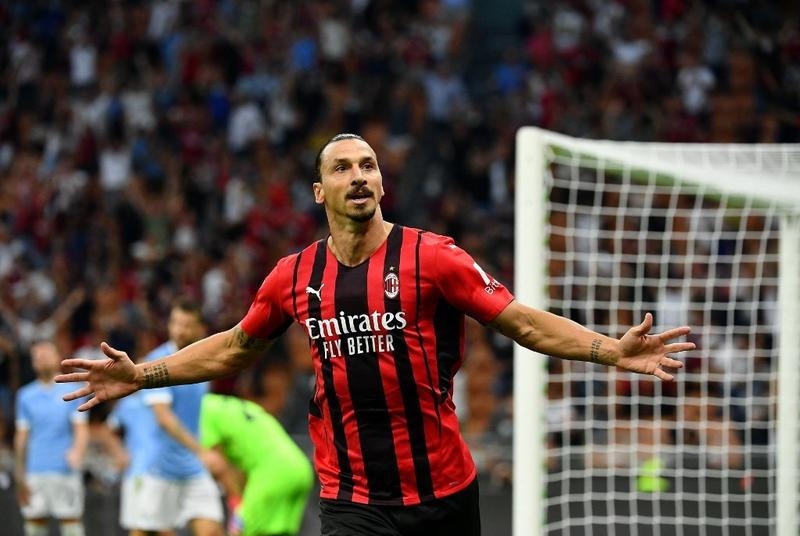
(121, 460)
(107, 379)
(23, 491)
(74, 459)
(214, 461)
(649, 354)
(235, 521)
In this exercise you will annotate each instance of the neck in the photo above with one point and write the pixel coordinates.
(354, 242)
(45, 378)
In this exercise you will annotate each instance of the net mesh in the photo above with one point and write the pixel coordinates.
(630, 454)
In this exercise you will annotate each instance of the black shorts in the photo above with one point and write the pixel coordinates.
(455, 515)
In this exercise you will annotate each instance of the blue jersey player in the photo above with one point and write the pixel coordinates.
(50, 443)
(178, 490)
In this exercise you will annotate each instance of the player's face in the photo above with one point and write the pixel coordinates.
(45, 359)
(351, 185)
(184, 328)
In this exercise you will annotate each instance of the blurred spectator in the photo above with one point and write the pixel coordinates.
(629, 443)
(10, 249)
(695, 81)
(30, 301)
(562, 415)
(447, 94)
(716, 48)
(82, 58)
(9, 383)
(709, 426)
(247, 125)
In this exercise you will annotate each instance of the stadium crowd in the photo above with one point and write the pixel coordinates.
(150, 149)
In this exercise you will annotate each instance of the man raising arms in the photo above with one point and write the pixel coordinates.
(385, 323)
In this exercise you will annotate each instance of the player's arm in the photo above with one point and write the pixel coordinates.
(550, 334)
(80, 443)
(68, 306)
(111, 442)
(217, 464)
(21, 435)
(230, 479)
(20, 451)
(170, 423)
(554, 335)
(8, 315)
(215, 356)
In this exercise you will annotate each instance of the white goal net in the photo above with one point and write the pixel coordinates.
(702, 235)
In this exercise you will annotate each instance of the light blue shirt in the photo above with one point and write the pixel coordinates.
(49, 420)
(173, 460)
(136, 418)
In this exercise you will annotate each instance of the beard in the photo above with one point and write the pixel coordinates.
(362, 216)
(361, 213)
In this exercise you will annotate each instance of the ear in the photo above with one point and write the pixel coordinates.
(319, 193)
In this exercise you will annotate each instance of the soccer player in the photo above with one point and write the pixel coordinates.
(177, 489)
(138, 424)
(384, 308)
(278, 474)
(50, 443)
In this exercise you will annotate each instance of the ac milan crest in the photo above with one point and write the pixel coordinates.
(391, 285)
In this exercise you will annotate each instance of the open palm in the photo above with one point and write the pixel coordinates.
(650, 354)
(106, 379)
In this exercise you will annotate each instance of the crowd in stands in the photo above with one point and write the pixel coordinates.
(150, 149)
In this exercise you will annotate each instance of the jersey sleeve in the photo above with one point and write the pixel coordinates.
(158, 395)
(267, 318)
(466, 285)
(79, 417)
(113, 421)
(22, 417)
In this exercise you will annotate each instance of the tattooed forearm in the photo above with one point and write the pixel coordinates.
(246, 342)
(594, 354)
(156, 375)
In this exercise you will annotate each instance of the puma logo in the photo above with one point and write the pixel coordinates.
(316, 293)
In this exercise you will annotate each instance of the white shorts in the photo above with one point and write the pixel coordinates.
(54, 494)
(165, 504)
(130, 502)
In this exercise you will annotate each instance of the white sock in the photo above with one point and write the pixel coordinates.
(36, 529)
(72, 528)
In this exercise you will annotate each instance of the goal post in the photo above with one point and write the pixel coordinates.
(701, 234)
(788, 429)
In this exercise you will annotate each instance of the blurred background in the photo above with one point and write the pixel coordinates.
(151, 149)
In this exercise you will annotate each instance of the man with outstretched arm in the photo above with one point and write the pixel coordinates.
(384, 309)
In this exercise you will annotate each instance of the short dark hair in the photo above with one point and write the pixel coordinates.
(43, 340)
(188, 305)
(338, 137)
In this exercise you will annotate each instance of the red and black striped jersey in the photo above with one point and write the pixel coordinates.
(387, 337)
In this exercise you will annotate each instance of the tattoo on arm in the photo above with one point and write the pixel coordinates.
(246, 342)
(156, 375)
(594, 354)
